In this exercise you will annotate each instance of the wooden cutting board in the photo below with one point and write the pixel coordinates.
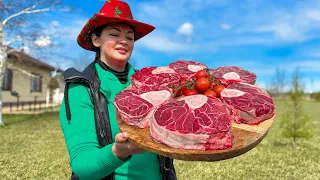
(245, 137)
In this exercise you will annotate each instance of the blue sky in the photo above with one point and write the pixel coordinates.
(256, 35)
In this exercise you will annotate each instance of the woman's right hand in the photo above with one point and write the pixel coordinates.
(123, 148)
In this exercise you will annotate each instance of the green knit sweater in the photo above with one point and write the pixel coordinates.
(87, 160)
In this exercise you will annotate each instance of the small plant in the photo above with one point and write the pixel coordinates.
(53, 83)
(295, 122)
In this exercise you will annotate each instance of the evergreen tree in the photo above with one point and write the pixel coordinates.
(295, 122)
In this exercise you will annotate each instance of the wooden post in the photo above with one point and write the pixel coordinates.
(35, 103)
(18, 103)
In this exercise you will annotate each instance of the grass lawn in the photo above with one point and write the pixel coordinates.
(32, 147)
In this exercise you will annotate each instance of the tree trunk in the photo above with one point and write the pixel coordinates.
(3, 58)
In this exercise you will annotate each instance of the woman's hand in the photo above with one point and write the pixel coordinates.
(122, 148)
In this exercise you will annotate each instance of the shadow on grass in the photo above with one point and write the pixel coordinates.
(299, 144)
(12, 119)
(278, 143)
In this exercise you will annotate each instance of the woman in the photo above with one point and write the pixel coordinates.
(111, 34)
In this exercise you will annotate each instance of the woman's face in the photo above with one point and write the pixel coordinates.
(116, 43)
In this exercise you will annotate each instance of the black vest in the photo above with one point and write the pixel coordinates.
(89, 78)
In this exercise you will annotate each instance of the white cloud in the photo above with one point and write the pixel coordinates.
(263, 19)
(226, 26)
(309, 52)
(284, 31)
(72, 30)
(239, 41)
(139, 59)
(313, 14)
(296, 24)
(305, 66)
(315, 54)
(152, 10)
(54, 23)
(186, 29)
(261, 71)
(26, 49)
(162, 43)
(53, 30)
(65, 9)
(167, 14)
(43, 41)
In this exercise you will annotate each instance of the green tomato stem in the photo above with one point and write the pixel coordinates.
(213, 77)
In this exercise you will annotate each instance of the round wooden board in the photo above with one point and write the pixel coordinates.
(245, 137)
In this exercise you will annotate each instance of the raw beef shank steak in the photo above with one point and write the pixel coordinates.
(194, 122)
(233, 74)
(135, 107)
(187, 69)
(154, 78)
(249, 104)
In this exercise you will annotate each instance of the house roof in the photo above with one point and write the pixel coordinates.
(26, 59)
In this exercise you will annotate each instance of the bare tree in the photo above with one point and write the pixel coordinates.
(311, 85)
(279, 81)
(16, 26)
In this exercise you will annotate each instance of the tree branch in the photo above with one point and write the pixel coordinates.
(13, 41)
(25, 11)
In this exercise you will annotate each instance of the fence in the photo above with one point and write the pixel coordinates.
(28, 106)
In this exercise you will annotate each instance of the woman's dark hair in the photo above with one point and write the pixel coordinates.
(98, 30)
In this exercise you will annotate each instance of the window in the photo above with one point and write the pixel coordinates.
(7, 80)
(36, 83)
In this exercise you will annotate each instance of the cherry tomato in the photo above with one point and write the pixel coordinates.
(189, 92)
(210, 93)
(183, 89)
(201, 73)
(218, 89)
(202, 84)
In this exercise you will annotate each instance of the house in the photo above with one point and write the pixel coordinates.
(26, 81)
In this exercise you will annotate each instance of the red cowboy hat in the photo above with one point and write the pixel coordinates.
(112, 11)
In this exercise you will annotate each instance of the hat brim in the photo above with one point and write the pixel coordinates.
(84, 39)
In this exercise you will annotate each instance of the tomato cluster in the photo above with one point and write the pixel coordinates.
(204, 83)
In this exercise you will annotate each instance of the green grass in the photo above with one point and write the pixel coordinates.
(32, 147)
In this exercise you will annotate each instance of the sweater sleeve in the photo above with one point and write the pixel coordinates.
(87, 160)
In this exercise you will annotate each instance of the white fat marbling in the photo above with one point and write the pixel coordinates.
(162, 69)
(195, 101)
(231, 93)
(231, 76)
(156, 97)
(195, 68)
